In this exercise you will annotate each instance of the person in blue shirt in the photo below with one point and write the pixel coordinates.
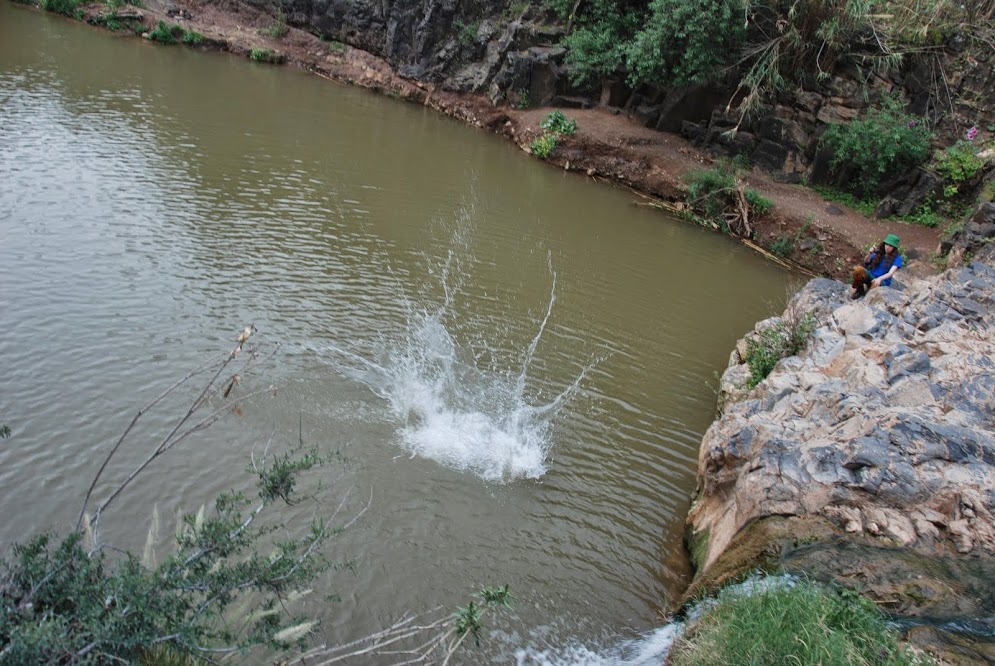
(879, 266)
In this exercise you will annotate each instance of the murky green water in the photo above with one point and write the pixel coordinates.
(516, 362)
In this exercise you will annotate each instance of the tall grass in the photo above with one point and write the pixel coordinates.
(806, 623)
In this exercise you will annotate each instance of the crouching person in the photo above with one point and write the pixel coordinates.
(879, 266)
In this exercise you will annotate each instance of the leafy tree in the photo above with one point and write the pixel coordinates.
(596, 48)
(685, 42)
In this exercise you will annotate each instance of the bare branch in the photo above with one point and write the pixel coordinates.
(127, 430)
(173, 438)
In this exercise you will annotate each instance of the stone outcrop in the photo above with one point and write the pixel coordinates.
(882, 427)
(976, 240)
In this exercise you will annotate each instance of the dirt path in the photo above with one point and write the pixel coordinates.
(607, 145)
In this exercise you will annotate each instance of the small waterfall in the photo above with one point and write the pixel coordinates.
(652, 647)
(649, 649)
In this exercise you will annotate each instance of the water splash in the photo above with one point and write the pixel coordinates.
(452, 407)
(463, 416)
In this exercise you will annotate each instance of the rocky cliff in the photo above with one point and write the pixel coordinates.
(880, 435)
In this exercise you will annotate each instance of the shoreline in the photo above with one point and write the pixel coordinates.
(607, 147)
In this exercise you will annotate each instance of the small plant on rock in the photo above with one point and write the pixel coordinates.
(466, 33)
(958, 163)
(784, 338)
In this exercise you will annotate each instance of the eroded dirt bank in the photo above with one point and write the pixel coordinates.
(607, 146)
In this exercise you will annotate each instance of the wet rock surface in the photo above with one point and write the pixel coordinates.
(884, 424)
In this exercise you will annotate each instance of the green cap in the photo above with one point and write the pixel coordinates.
(892, 240)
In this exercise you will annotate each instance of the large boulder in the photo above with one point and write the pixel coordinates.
(884, 425)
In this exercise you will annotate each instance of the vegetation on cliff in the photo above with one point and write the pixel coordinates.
(765, 44)
(867, 87)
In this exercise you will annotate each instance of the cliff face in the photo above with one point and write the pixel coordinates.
(883, 427)
(507, 50)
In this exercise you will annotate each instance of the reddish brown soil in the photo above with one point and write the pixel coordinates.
(607, 145)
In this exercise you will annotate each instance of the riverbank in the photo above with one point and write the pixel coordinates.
(607, 146)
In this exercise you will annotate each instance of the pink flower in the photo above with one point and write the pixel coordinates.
(972, 134)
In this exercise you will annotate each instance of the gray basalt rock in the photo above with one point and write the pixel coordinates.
(884, 424)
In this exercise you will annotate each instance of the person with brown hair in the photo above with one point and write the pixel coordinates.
(879, 267)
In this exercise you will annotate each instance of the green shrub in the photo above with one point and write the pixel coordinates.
(72, 601)
(192, 38)
(759, 204)
(886, 142)
(803, 624)
(708, 190)
(597, 46)
(466, 33)
(958, 163)
(543, 146)
(70, 8)
(165, 34)
(784, 338)
(684, 42)
(715, 198)
(265, 55)
(925, 216)
(557, 123)
(862, 206)
(783, 246)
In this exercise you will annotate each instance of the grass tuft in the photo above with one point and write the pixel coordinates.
(165, 33)
(805, 623)
(780, 340)
(192, 38)
(266, 55)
